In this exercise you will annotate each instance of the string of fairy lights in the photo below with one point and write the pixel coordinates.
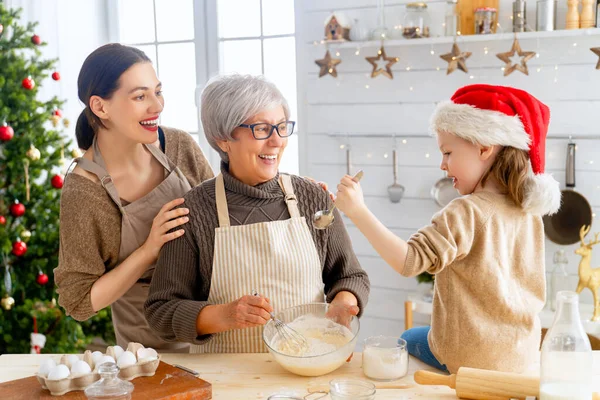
(456, 59)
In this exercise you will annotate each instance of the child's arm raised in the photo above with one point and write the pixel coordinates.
(432, 248)
(391, 248)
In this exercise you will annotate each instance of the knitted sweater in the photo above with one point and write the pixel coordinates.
(90, 226)
(488, 257)
(181, 282)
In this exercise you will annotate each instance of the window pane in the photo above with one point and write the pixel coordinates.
(174, 20)
(241, 56)
(278, 17)
(280, 66)
(137, 21)
(238, 18)
(289, 161)
(177, 69)
(150, 51)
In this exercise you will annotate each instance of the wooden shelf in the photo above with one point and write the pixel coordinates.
(574, 33)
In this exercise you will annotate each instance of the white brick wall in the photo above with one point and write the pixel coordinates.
(345, 105)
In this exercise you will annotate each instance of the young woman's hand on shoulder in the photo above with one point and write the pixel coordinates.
(166, 219)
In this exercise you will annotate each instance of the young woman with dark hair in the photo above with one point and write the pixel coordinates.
(120, 203)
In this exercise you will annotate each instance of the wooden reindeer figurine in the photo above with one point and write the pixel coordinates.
(589, 277)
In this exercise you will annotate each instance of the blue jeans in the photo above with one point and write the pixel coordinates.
(416, 340)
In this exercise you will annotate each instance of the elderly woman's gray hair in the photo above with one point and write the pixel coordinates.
(229, 100)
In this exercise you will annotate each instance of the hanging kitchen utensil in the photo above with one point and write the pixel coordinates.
(348, 161)
(395, 190)
(443, 192)
(575, 211)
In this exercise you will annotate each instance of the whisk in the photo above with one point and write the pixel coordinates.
(289, 337)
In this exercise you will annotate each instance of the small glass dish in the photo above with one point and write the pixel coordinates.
(385, 358)
(351, 389)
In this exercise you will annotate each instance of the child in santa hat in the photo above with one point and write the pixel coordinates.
(486, 248)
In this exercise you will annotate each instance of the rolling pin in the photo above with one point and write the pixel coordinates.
(480, 384)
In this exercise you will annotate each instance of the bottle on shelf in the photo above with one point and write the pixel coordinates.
(586, 19)
(452, 20)
(572, 14)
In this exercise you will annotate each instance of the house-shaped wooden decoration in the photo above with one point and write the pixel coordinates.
(337, 27)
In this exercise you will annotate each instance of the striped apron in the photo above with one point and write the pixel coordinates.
(278, 259)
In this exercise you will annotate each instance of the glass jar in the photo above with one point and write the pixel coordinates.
(109, 387)
(559, 278)
(451, 20)
(485, 18)
(351, 389)
(416, 21)
(566, 363)
(385, 358)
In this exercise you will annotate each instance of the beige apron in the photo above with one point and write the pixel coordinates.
(136, 222)
(278, 259)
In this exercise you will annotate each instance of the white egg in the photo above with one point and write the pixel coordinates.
(126, 359)
(61, 371)
(96, 356)
(46, 366)
(103, 360)
(118, 351)
(147, 353)
(80, 367)
(72, 359)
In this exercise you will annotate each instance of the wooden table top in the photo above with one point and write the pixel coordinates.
(257, 376)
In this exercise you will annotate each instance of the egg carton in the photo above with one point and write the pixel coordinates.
(146, 363)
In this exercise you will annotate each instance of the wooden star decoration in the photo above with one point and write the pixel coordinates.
(596, 51)
(456, 59)
(328, 65)
(509, 68)
(382, 56)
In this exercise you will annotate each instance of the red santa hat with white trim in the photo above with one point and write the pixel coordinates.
(499, 115)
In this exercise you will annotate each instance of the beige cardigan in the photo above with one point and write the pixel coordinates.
(488, 257)
(90, 226)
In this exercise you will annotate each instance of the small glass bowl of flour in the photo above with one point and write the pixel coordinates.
(385, 358)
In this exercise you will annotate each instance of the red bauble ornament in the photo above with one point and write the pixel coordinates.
(57, 181)
(42, 278)
(19, 248)
(28, 83)
(17, 209)
(2, 220)
(35, 39)
(57, 112)
(56, 76)
(6, 133)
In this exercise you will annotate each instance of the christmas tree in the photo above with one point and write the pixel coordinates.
(32, 163)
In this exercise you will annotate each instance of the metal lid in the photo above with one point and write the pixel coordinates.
(416, 5)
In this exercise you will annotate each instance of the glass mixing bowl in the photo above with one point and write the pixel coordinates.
(314, 365)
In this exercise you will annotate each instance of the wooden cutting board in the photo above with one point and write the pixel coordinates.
(168, 383)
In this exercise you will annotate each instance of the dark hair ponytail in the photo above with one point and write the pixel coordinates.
(99, 76)
(84, 131)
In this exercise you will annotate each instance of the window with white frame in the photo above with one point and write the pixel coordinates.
(254, 37)
(164, 30)
(258, 37)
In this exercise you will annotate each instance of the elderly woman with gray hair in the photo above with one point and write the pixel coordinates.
(248, 231)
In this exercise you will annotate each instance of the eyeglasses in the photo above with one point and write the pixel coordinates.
(263, 131)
